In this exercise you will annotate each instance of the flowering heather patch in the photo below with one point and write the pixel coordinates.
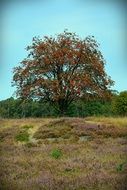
(55, 157)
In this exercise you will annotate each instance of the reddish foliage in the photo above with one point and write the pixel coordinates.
(62, 69)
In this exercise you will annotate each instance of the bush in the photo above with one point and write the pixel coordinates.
(27, 127)
(120, 167)
(56, 153)
(119, 104)
(22, 136)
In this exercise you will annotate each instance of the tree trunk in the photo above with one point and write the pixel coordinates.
(62, 108)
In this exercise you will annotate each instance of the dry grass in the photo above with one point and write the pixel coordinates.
(63, 154)
(117, 121)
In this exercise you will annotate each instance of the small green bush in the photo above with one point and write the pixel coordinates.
(28, 126)
(56, 153)
(120, 167)
(22, 136)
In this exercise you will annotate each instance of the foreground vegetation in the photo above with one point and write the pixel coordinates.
(63, 154)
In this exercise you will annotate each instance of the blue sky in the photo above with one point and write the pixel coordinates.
(22, 20)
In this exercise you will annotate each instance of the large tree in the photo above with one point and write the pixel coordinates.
(62, 69)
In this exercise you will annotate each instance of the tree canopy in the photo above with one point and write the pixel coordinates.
(61, 70)
(119, 104)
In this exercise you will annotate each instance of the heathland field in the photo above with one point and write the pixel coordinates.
(63, 154)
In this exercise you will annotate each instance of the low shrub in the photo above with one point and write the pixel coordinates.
(28, 126)
(22, 136)
(56, 153)
(120, 167)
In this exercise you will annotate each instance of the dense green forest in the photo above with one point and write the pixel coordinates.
(16, 108)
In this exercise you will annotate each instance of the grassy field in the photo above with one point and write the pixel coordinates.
(63, 154)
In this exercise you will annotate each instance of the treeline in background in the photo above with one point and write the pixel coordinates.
(16, 108)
